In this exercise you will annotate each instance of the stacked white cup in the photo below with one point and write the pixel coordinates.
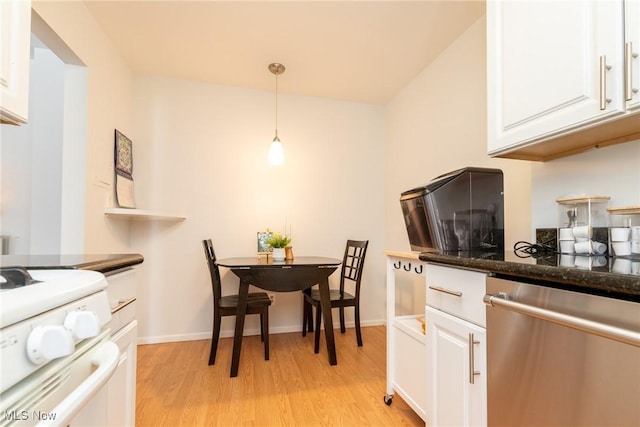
(583, 242)
(635, 239)
(566, 241)
(620, 240)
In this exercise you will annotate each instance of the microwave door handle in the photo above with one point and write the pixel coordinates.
(607, 331)
(106, 359)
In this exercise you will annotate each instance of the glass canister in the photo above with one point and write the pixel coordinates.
(582, 225)
(624, 239)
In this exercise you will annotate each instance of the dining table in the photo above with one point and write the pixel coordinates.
(290, 275)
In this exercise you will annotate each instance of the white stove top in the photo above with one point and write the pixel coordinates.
(55, 288)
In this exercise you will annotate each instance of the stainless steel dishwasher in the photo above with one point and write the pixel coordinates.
(560, 358)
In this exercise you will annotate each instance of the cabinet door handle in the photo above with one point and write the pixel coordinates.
(472, 368)
(122, 304)
(603, 82)
(628, 58)
(446, 291)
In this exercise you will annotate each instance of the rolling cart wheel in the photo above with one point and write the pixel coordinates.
(388, 399)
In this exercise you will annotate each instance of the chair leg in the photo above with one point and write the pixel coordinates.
(305, 309)
(214, 338)
(309, 317)
(316, 344)
(342, 328)
(261, 327)
(358, 332)
(265, 328)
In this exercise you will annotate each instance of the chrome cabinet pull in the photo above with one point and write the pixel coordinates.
(446, 291)
(607, 331)
(122, 304)
(628, 58)
(603, 82)
(472, 368)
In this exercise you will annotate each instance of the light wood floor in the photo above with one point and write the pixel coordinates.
(295, 387)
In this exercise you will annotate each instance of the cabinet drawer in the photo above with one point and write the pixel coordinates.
(457, 292)
(122, 287)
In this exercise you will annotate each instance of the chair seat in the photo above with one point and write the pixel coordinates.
(334, 294)
(254, 299)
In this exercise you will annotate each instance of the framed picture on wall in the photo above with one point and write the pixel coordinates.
(123, 161)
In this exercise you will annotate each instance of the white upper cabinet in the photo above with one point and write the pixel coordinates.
(632, 54)
(15, 35)
(554, 69)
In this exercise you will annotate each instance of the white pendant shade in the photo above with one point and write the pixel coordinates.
(276, 153)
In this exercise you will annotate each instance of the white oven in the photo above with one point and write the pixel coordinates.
(55, 343)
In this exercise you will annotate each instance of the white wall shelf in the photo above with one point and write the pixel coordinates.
(142, 214)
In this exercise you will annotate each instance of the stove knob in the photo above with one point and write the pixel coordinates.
(49, 342)
(82, 324)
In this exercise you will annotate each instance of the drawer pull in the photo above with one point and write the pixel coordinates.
(122, 304)
(446, 291)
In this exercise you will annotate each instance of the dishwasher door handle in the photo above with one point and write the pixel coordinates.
(607, 331)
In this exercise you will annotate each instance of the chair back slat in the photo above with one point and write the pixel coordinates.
(353, 264)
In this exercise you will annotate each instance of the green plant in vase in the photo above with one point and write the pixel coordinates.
(278, 242)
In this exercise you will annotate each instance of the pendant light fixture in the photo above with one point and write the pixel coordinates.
(276, 153)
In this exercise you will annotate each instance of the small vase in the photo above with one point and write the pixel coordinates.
(278, 254)
(288, 253)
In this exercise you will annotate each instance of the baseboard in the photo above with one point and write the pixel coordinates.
(159, 339)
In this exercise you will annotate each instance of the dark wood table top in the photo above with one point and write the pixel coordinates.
(268, 262)
(281, 276)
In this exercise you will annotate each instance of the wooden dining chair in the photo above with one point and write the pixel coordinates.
(257, 303)
(350, 275)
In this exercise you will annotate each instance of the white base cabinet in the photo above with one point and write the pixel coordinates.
(121, 390)
(456, 347)
(456, 374)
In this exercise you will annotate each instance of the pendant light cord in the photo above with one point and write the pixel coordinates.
(276, 106)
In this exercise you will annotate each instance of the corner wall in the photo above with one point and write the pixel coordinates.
(436, 124)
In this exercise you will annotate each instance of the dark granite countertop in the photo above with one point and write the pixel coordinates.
(600, 275)
(98, 262)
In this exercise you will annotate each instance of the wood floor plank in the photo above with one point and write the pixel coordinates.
(176, 386)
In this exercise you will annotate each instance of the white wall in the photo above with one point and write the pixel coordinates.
(202, 150)
(436, 124)
(611, 171)
(109, 87)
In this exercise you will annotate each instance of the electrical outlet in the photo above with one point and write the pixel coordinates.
(272, 297)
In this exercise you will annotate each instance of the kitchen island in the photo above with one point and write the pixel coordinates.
(457, 368)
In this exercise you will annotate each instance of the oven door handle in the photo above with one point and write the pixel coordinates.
(106, 359)
(607, 331)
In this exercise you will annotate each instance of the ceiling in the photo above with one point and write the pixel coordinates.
(360, 51)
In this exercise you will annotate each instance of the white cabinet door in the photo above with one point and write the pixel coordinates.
(455, 349)
(121, 389)
(15, 42)
(632, 54)
(545, 60)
